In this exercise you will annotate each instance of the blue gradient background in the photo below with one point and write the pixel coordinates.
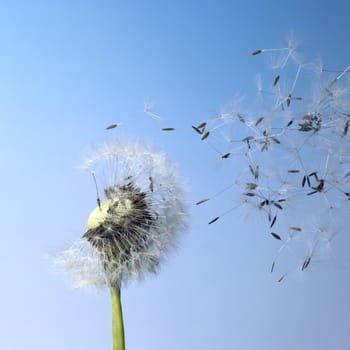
(70, 68)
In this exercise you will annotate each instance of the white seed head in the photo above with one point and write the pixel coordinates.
(138, 221)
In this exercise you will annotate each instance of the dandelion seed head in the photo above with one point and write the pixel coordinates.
(136, 223)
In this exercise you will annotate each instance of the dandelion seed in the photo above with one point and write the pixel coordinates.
(272, 266)
(275, 140)
(277, 205)
(249, 194)
(328, 92)
(295, 228)
(259, 121)
(273, 221)
(275, 235)
(196, 129)
(205, 135)
(202, 201)
(248, 138)
(255, 172)
(289, 98)
(215, 219)
(303, 182)
(276, 80)
(257, 52)
(308, 181)
(306, 263)
(226, 155)
(168, 129)
(251, 185)
(282, 278)
(202, 125)
(112, 126)
(240, 118)
(314, 174)
(346, 127)
(313, 192)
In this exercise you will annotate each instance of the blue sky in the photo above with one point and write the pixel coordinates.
(68, 69)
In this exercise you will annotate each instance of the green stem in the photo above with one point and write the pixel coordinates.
(117, 320)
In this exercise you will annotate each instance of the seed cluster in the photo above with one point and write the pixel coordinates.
(293, 149)
(124, 232)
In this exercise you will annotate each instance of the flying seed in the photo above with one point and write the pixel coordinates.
(197, 130)
(346, 127)
(308, 181)
(276, 80)
(202, 201)
(212, 221)
(295, 228)
(314, 174)
(277, 205)
(294, 171)
(259, 121)
(306, 263)
(257, 52)
(313, 192)
(328, 92)
(275, 235)
(289, 98)
(205, 135)
(290, 123)
(265, 202)
(272, 266)
(241, 119)
(226, 155)
(168, 129)
(264, 147)
(273, 221)
(251, 185)
(303, 182)
(202, 125)
(255, 172)
(332, 83)
(275, 140)
(112, 126)
(282, 277)
(249, 194)
(248, 138)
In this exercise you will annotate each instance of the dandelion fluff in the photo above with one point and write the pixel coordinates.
(136, 223)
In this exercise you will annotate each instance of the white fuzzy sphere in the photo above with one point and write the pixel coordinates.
(138, 221)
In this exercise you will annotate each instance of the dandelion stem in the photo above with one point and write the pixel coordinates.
(117, 320)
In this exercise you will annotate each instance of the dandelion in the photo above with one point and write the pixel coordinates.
(134, 226)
